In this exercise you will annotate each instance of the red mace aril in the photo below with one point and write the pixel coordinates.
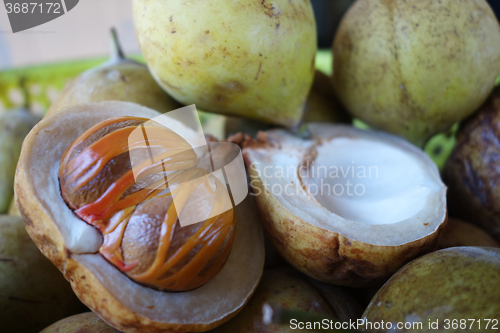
(131, 178)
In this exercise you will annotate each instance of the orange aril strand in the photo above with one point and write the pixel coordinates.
(174, 162)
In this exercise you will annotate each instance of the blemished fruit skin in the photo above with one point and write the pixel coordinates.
(247, 58)
(33, 293)
(87, 322)
(471, 172)
(452, 284)
(414, 68)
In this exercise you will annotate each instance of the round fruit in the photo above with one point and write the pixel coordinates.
(13, 210)
(33, 294)
(447, 286)
(118, 79)
(414, 68)
(14, 126)
(101, 227)
(321, 105)
(282, 287)
(248, 58)
(460, 233)
(471, 171)
(346, 206)
(87, 322)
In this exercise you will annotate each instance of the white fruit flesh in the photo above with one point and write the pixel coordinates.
(368, 186)
(369, 181)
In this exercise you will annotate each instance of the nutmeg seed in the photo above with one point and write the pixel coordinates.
(129, 199)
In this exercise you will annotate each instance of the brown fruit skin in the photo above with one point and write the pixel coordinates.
(365, 295)
(278, 287)
(33, 293)
(120, 80)
(328, 256)
(87, 322)
(460, 233)
(471, 172)
(343, 302)
(455, 283)
(273, 257)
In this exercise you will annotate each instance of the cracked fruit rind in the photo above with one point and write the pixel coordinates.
(244, 58)
(451, 284)
(72, 245)
(334, 237)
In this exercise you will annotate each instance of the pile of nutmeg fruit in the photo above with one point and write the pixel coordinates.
(348, 225)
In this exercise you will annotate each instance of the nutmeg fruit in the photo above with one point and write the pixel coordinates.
(109, 217)
(346, 206)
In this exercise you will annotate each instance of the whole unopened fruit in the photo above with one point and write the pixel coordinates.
(445, 288)
(247, 58)
(342, 300)
(33, 293)
(416, 67)
(471, 172)
(346, 206)
(460, 233)
(14, 126)
(87, 322)
(108, 207)
(322, 106)
(118, 79)
(282, 287)
(13, 210)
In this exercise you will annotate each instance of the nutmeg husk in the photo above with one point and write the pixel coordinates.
(72, 245)
(320, 236)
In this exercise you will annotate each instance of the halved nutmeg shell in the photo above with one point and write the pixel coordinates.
(346, 206)
(106, 241)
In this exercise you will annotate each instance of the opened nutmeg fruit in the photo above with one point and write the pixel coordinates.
(346, 206)
(133, 215)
